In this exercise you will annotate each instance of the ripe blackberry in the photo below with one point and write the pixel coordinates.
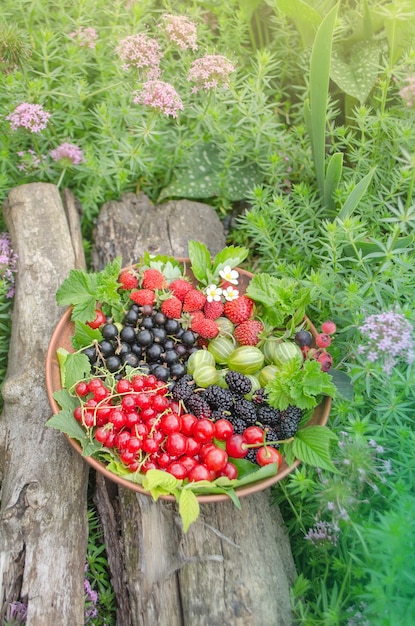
(219, 414)
(197, 405)
(218, 397)
(238, 383)
(251, 456)
(272, 434)
(239, 424)
(290, 418)
(246, 410)
(183, 388)
(268, 416)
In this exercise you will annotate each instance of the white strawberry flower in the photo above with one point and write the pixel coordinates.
(230, 293)
(230, 275)
(213, 293)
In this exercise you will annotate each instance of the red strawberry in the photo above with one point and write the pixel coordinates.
(143, 296)
(153, 279)
(247, 333)
(213, 310)
(204, 327)
(239, 310)
(127, 280)
(180, 287)
(194, 300)
(172, 307)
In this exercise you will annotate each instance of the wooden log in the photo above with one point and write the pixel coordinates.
(43, 523)
(233, 567)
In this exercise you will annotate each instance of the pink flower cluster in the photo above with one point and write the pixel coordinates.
(8, 261)
(210, 71)
(30, 116)
(86, 37)
(408, 93)
(69, 153)
(180, 30)
(141, 52)
(388, 338)
(160, 96)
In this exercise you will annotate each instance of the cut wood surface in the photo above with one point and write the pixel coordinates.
(43, 529)
(233, 567)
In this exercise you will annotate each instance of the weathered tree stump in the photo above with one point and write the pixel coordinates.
(232, 568)
(43, 529)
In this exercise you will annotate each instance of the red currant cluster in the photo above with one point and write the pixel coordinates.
(147, 429)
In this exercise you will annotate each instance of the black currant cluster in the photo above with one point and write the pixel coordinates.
(147, 339)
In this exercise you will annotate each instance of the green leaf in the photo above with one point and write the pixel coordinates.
(200, 261)
(157, 478)
(355, 69)
(312, 446)
(231, 255)
(61, 354)
(333, 175)
(282, 298)
(189, 508)
(76, 368)
(355, 196)
(65, 400)
(319, 87)
(343, 383)
(305, 18)
(107, 283)
(84, 335)
(66, 423)
(79, 290)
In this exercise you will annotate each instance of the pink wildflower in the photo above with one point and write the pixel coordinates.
(85, 36)
(68, 152)
(408, 93)
(161, 96)
(141, 52)
(210, 71)
(180, 30)
(30, 116)
(29, 160)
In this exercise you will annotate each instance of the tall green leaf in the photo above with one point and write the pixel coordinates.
(333, 175)
(355, 196)
(306, 18)
(319, 86)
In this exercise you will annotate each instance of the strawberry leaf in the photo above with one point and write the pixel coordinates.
(231, 255)
(200, 261)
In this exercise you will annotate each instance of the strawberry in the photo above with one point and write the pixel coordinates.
(247, 333)
(204, 327)
(239, 310)
(213, 310)
(194, 300)
(153, 279)
(172, 307)
(127, 280)
(143, 296)
(180, 287)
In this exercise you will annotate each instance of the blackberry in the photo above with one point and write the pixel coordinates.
(272, 434)
(183, 389)
(197, 405)
(268, 416)
(245, 409)
(290, 418)
(251, 456)
(238, 383)
(239, 424)
(219, 414)
(218, 397)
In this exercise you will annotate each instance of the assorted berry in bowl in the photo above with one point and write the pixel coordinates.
(191, 380)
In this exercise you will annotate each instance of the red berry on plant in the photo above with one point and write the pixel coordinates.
(177, 469)
(215, 459)
(328, 327)
(199, 472)
(81, 389)
(326, 361)
(323, 340)
(204, 430)
(127, 280)
(254, 434)
(153, 279)
(247, 333)
(236, 447)
(98, 321)
(223, 429)
(267, 455)
(229, 470)
(239, 310)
